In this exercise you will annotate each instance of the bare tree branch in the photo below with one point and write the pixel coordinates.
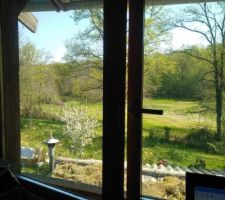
(194, 56)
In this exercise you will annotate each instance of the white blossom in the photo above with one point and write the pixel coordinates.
(80, 127)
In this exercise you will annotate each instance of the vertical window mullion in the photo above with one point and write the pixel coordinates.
(135, 84)
(114, 74)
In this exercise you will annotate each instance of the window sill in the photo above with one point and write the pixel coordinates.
(47, 191)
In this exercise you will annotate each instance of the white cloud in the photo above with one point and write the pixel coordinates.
(182, 37)
(58, 54)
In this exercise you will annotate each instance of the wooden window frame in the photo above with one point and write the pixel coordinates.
(9, 74)
(115, 12)
(135, 85)
(114, 81)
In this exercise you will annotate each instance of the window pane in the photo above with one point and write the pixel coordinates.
(61, 98)
(183, 76)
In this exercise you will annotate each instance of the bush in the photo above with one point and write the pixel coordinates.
(200, 139)
(80, 127)
(211, 148)
(148, 156)
(87, 174)
(44, 169)
(199, 163)
(151, 134)
(176, 155)
(175, 188)
(167, 133)
(153, 139)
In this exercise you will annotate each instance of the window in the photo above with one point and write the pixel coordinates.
(180, 78)
(61, 70)
(81, 76)
(191, 98)
(168, 144)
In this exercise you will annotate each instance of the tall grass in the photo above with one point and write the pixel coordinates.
(179, 116)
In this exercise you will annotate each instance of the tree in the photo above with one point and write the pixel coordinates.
(86, 47)
(156, 29)
(158, 67)
(37, 85)
(208, 20)
(84, 51)
(80, 127)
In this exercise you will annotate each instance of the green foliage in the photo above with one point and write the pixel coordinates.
(176, 76)
(167, 133)
(148, 156)
(87, 174)
(37, 84)
(155, 66)
(80, 127)
(175, 188)
(156, 28)
(199, 163)
(151, 134)
(177, 156)
(155, 148)
(42, 169)
(200, 138)
(211, 148)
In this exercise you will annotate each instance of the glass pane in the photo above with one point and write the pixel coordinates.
(61, 98)
(183, 76)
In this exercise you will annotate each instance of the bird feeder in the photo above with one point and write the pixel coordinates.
(51, 142)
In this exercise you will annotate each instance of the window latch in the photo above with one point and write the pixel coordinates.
(152, 111)
(146, 111)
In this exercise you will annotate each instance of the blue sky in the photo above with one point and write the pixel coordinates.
(54, 28)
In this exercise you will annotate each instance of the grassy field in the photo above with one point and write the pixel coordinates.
(179, 116)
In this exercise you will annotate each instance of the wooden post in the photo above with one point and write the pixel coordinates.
(114, 74)
(9, 72)
(135, 74)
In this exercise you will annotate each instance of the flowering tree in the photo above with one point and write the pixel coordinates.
(79, 127)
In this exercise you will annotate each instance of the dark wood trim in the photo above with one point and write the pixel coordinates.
(135, 73)
(114, 75)
(9, 70)
(2, 135)
(36, 6)
(20, 5)
(86, 190)
(46, 191)
(59, 5)
(151, 111)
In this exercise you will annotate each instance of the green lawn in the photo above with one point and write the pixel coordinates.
(178, 116)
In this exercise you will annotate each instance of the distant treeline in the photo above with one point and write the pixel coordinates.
(175, 75)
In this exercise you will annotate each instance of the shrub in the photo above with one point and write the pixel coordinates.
(151, 134)
(87, 174)
(211, 147)
(167, 133)
(153, 139)
(175, 188)
(176, 155)
(199, 163)
(148, 156)
(199, 138)
(44, 169)
(80, 127)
